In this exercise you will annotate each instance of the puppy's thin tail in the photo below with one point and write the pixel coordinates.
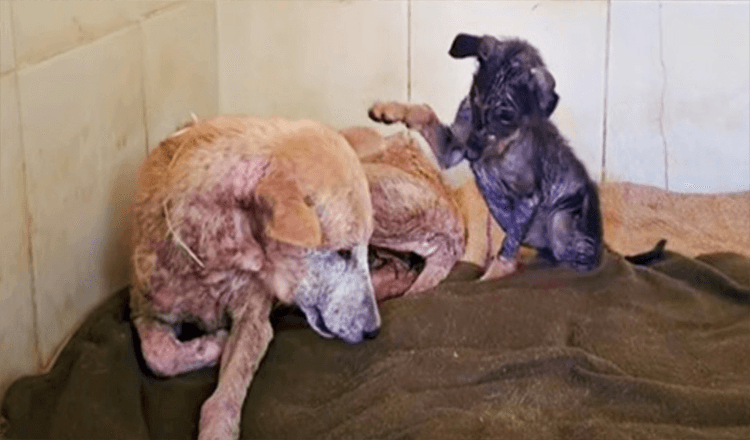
(646, 258)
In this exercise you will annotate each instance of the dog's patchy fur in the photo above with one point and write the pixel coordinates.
(419, 232)
(231, 215)
(535, 187)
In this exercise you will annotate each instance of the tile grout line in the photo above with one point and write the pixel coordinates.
(663, 96)
(167, 8)
(28, 218)
(408, 50)
(603, 176)
(143, 84)
(219, 65)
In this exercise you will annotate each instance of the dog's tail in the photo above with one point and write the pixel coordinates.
(646, 258)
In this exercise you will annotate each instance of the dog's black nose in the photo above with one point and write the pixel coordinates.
(371, 334)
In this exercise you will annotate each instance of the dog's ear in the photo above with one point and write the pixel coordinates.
(292, 218)
(465, 45)
(544, 85)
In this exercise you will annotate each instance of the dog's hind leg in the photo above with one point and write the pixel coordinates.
(248, 340)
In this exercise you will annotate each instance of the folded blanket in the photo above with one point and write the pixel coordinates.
(622, 352)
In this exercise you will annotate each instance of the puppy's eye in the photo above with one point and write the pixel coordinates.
(346, 254)
(503, 115)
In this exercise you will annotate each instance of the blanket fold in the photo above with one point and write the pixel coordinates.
(625, 351)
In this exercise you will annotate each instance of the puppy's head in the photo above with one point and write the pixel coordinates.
(511, 87)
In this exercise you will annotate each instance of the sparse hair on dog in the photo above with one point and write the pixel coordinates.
(232, 215)
(534, 186)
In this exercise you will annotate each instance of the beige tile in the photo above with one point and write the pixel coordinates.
(180, 64)
(679, 107)
(707, 99)
(634, 144)
(84, 136)
(16, 311)
(7, 56)
(324, 60)
(46, 28)
(570, 36)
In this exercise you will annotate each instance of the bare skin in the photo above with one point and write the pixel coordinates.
(422, 118)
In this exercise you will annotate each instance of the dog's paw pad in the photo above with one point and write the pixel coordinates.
(388, 112)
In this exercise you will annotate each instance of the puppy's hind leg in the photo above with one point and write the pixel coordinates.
(572, 243)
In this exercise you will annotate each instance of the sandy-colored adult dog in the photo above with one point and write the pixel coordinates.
(419, 231)
(231, 215)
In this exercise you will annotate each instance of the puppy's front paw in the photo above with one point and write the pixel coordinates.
(388, 112)
(415, 116)
(500, 268)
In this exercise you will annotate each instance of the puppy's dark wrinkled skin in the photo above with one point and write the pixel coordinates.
(534, 186)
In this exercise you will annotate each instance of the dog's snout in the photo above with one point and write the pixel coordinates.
(372, 334)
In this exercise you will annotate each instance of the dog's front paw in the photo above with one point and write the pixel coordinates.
(219, 419)
(500, 268)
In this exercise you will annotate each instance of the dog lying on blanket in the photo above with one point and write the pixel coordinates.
(419, 232)
(231, 215)
(534, 186)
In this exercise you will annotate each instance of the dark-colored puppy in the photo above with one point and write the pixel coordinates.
(534, 186)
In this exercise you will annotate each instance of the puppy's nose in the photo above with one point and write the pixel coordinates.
(371, 334)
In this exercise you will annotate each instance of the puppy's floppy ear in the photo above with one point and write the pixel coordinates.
(292, 217)
(465, 45)
(544, 84)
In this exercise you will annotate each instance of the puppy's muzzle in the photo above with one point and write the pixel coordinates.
(477, 143)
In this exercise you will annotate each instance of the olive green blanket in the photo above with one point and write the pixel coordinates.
(624, 352)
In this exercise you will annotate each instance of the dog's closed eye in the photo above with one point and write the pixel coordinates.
(346, 254)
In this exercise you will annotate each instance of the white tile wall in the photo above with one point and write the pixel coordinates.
(7, 54)
(181, 65)
(16, 309)
(707, 112)
(324, 60)
(679, 95)
(577, 65)
(634, 145)
(45, 28)
(83, 132)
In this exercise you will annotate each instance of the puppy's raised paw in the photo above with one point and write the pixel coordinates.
(415, 116)
(388, 112)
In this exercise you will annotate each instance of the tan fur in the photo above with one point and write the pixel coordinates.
(414, 210)
(311, 192)
(637, 216)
